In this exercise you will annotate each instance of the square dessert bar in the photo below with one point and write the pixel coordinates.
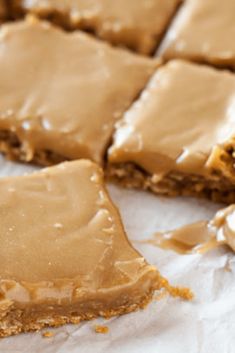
(138, 25)
(204, 31)
(64, 255)
(61, 93)
(179, 137)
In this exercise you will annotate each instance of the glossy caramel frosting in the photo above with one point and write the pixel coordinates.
(200, 237)
(62, 92)
(136, 24)
(204, 31)
(183, 115)
(189, 239)
(64, 249)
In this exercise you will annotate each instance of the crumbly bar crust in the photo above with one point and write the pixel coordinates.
(131, 176)
(18, 320)
(173, 184)
(14, 150)
(15, 320)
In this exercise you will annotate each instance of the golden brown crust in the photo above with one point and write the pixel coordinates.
(131, 176)
(220, 189)
(18, 321)
(13, 149)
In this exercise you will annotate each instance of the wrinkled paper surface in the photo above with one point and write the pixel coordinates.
(205, 325)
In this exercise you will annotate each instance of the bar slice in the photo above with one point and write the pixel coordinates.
(139, 25)
(64, 255)
(61, 93)
(178, 138)
(204, 31)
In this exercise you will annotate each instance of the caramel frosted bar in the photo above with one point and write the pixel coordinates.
(138, 25)
(178, 138)
(203, 31)
(61, 93)
(64, 255)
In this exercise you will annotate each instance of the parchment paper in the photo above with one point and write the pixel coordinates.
(206, 325)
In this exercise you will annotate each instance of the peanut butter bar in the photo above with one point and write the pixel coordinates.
(64, 255)
(138, 25)
(204, 31)
(61, 93)
(178, 138)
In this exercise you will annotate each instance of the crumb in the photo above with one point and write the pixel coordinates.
(101, 329)
(183, 293)
(47, 334)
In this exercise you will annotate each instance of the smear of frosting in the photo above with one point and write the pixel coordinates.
(200, 237)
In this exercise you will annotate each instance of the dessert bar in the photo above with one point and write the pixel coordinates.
(178, 138)
(64, 255)
(61, 93)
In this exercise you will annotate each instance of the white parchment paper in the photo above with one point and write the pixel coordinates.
(206, 325)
